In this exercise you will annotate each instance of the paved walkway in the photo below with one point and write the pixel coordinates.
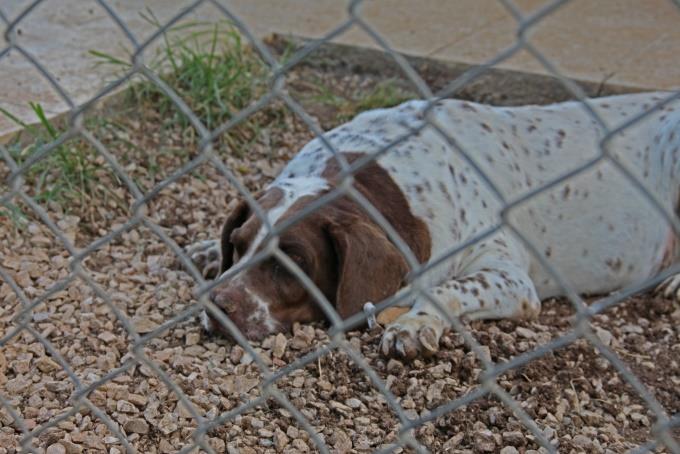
(626, 42)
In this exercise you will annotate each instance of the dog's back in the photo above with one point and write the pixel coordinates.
(596, 228)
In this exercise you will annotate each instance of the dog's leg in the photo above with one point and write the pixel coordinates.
(207, 257)
(492, 286)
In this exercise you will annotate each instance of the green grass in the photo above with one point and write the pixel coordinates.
(15, 214)
(209, 66)
(384, 94)
(216, 75)
(211, 69)
(66, 174)
(72, 177)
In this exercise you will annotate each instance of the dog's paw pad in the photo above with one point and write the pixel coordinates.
(412, 336)
(207, 257)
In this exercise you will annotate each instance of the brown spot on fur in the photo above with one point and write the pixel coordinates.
(615, 264)
(500, 242)
(565, 192)
(484, 283)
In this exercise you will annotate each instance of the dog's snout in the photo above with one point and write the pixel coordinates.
(226, 297)
(238, 305)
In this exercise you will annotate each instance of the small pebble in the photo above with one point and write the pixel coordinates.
(56, 448)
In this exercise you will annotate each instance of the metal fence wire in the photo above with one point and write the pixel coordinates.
(23, 322)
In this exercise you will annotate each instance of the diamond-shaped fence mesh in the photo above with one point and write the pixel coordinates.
(101, 349)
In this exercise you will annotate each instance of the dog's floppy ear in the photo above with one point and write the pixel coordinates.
(370, 268)
(235, 219)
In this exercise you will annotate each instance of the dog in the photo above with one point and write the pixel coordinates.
(596, 229)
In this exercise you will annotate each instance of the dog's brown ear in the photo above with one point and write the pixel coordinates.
(235, 219)
(370, 268)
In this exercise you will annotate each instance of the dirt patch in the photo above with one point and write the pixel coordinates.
(578, 399)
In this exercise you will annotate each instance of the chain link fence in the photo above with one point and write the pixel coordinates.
(79, 399)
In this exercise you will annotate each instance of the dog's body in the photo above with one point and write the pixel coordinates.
(595, 229)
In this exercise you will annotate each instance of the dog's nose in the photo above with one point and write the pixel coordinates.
(228, 298)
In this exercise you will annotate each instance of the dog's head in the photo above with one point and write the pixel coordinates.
(346, 255)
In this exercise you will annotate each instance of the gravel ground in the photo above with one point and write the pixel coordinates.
(576, 397)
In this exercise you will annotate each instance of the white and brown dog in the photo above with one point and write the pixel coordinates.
(596, 229)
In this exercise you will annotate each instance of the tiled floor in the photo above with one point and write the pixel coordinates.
(627, 42)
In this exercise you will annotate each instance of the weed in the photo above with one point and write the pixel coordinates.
(214, 72)
(69, 175)
(383, 94)
(14, 214)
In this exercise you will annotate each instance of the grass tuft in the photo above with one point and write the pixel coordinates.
(211, 69)
(70, 174)
(384, 94)
(66, 169)
(216, 75)
(346, 106)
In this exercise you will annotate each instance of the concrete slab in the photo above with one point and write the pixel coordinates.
(626, 42)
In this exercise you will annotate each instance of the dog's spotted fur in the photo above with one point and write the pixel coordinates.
(595, 229)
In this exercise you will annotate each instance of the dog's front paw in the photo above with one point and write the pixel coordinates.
(207, 257)
(670, 288)
(411, 335)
